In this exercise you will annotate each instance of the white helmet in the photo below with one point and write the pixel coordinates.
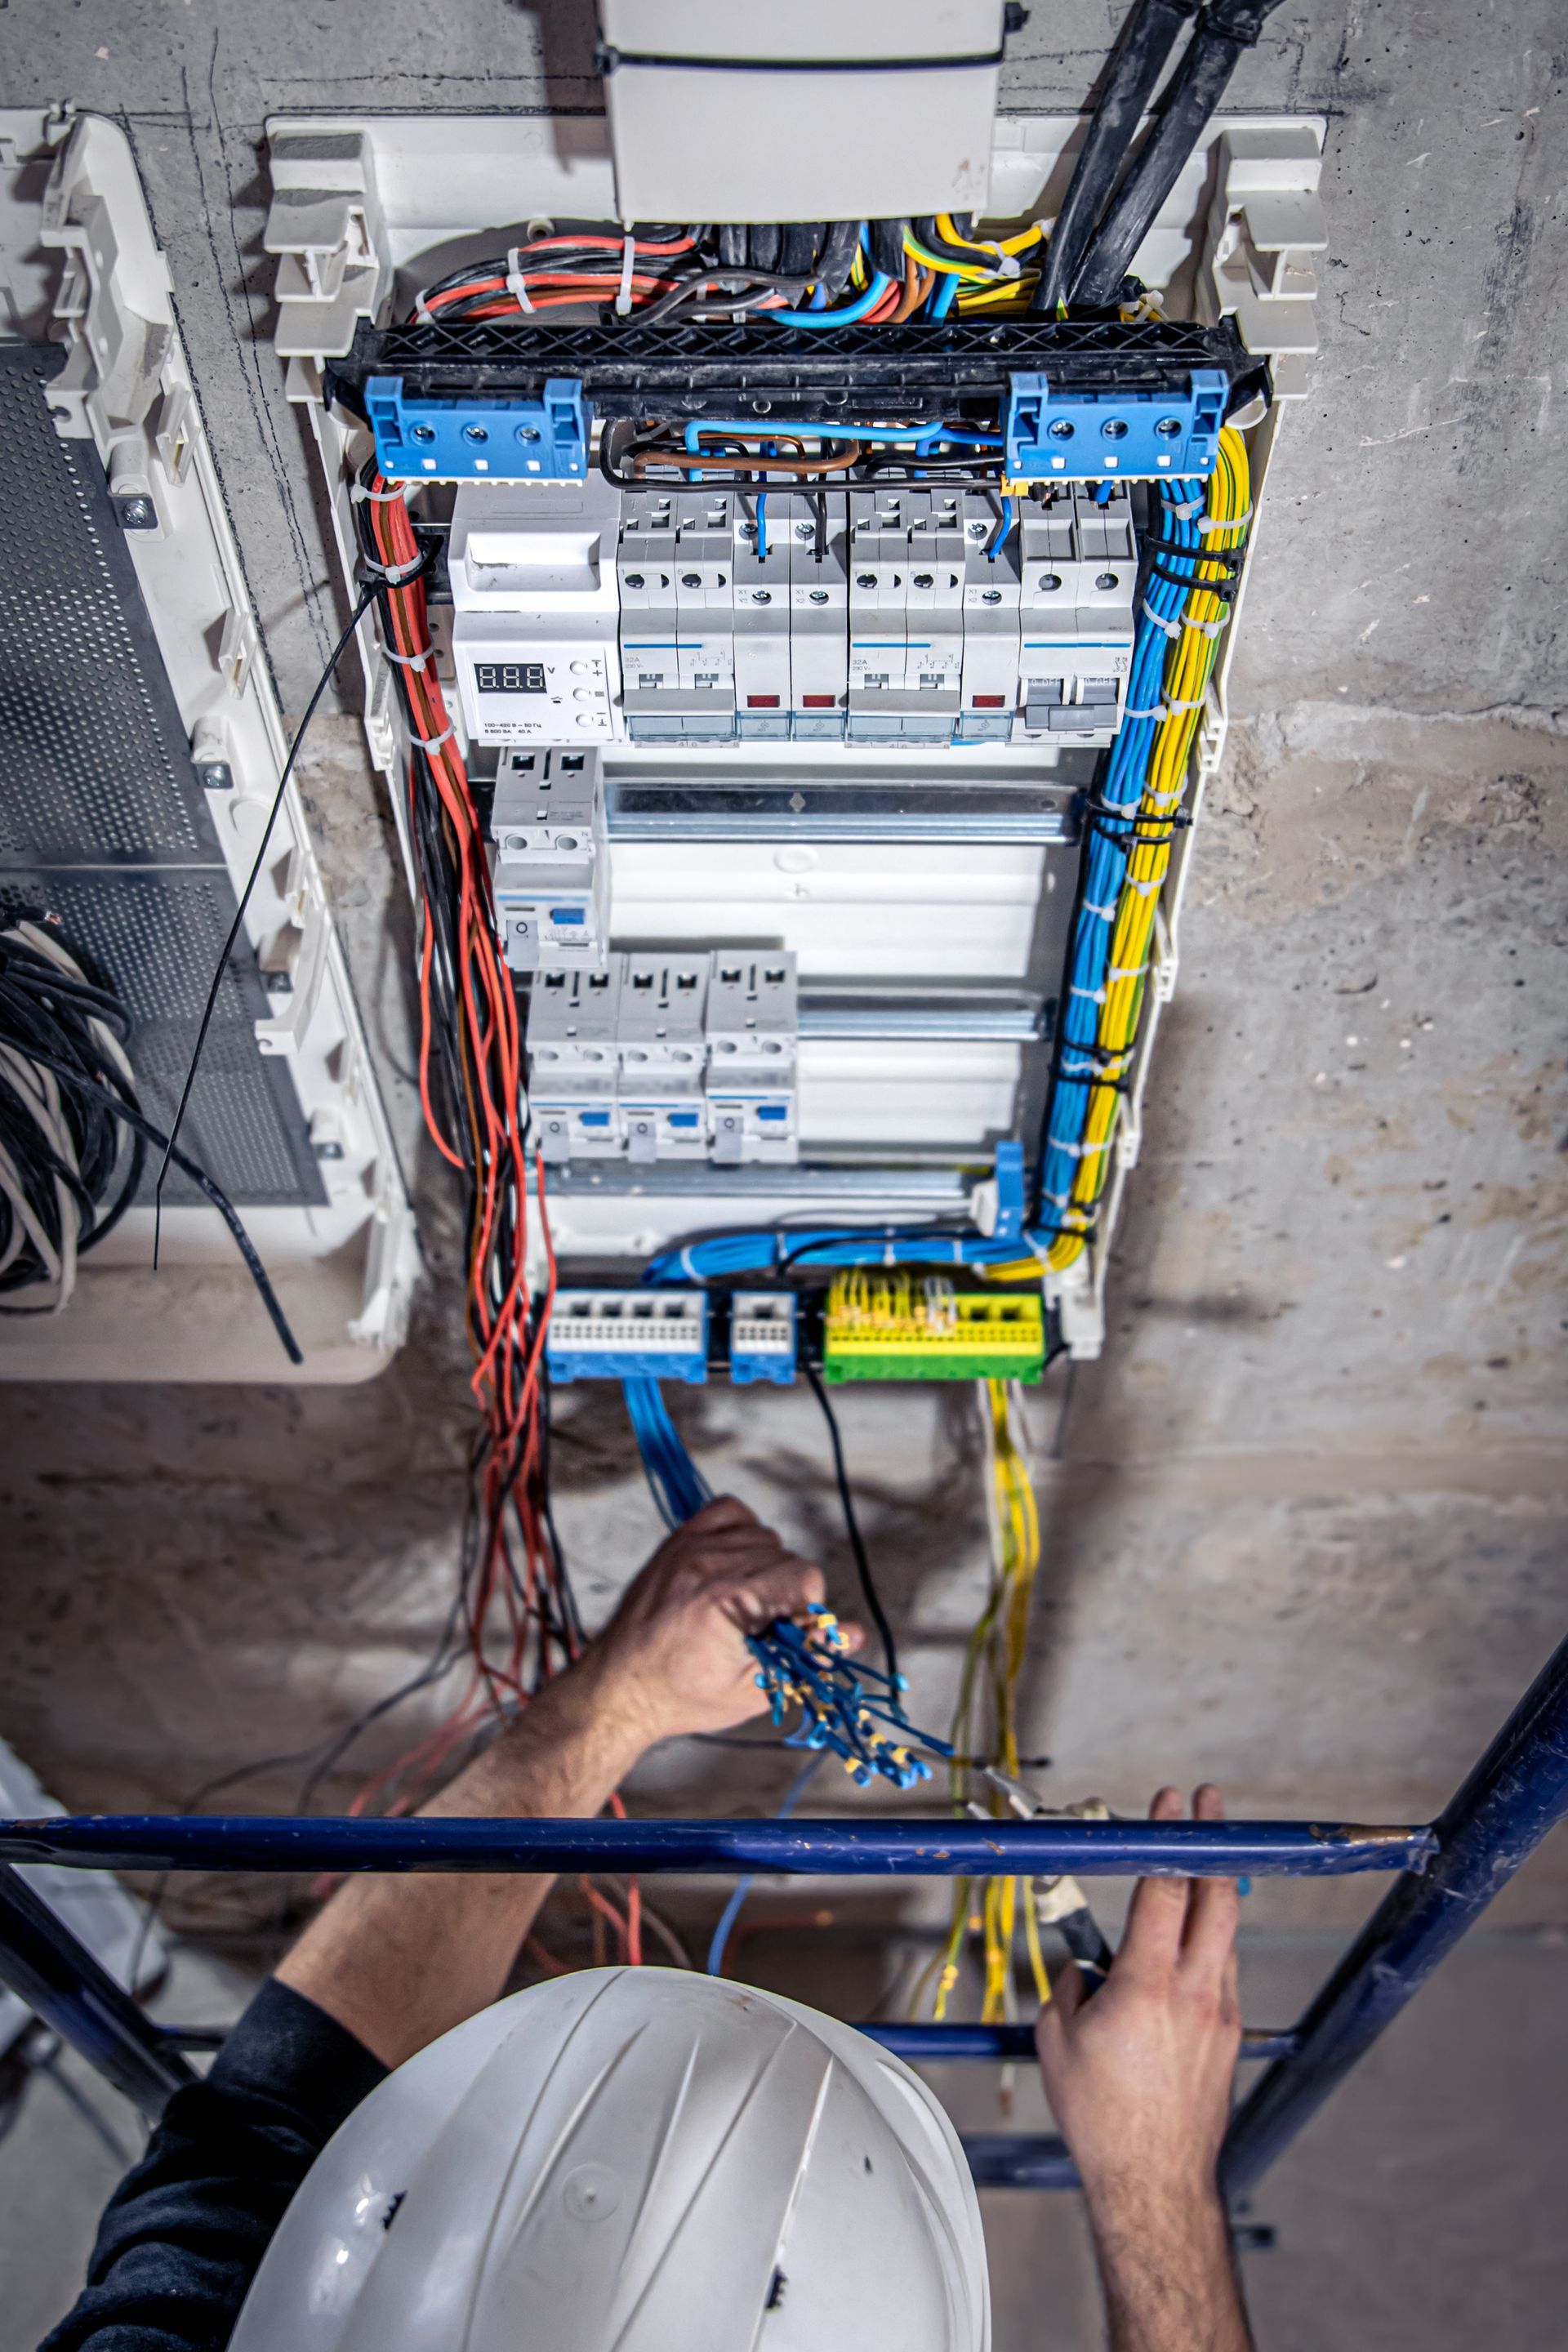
(634, 2160)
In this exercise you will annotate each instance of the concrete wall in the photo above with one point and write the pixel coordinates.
(1305, 1522)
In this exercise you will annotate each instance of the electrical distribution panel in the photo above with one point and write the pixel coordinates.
(790, 752)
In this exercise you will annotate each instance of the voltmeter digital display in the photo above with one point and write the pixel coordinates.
(508, 677)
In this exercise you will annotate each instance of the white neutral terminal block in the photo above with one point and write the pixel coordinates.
(830, 110)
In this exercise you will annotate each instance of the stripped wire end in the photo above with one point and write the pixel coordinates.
(855, 1711)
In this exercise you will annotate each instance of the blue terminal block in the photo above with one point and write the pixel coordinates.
(477, 438)
(763, 1339)
(1087, 436)
(618, 1335)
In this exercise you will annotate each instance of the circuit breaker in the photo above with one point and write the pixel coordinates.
(752, 1023)
(661, 1049)
(551, 872)
(1079, 569)
(574, 1098)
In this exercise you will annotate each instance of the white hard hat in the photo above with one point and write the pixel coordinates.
(634, 2160)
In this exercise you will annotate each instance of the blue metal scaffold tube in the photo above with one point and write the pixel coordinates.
(1517, 1792)
(857, 1849)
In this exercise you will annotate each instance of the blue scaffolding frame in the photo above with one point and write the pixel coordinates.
(1447, 1873)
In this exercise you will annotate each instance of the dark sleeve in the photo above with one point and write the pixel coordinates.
(183, 2235)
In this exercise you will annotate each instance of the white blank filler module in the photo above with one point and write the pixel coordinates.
(843, 738)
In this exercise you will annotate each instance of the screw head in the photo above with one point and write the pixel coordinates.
(1114, 428)
(806, 530)
(137, 513)
(1050, 582)
(691, 579)
(923, 579)
(1061, 428)
(422, 433)
(991, 595)
(865, 580)
(977, 530)
(527, 433)
(762, 596)
(476, 433)
(1103, 580)
(216, 776)
(635, 580)
(1169, 428)
(818, 597)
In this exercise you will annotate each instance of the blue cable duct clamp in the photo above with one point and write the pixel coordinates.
(475, 439)
(1009, 1182)
(1087, 436)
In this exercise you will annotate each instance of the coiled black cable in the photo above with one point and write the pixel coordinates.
(73, 1135)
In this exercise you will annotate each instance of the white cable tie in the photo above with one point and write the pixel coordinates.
(685, 1259)
(1173, 629)
(1224, 522)
(1089, 995)
(628, 255)
(1106, 914)
(393, 573)
(434, 742)
(1208, 628)
(1143, 889)
(1125, 971)
(1188, 509)
(514, 277)
(361, 497)
(426, 315)
(1159, 712)
(405, 661)
(1175, 704)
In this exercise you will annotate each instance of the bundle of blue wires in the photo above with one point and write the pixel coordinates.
(769, 1250)
(1111, 836)
(678, 1487)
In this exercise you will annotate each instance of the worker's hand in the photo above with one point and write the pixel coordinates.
(674, 1655)
(1139, 2076)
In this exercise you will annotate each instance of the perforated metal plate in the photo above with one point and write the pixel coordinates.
(103, 826)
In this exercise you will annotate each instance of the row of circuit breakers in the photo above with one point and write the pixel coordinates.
(589, 614)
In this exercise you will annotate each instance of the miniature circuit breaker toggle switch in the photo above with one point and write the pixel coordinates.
(550, 875)
(574, 1108)
(661, 1049)
(754, 1025)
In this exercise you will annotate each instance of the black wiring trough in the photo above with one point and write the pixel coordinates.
(854, 374)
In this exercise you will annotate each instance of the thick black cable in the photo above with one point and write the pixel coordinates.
(361, 609)
(886, 238)
(836, 259)
(1199, 84)
(1148, 38)
(852, 1527)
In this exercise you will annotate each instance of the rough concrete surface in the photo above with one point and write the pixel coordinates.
(1305, 1521)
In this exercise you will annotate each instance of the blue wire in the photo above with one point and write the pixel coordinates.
(946, 295)
(845, 316)
(762, 526)
(732, 1911)
(1009, 517)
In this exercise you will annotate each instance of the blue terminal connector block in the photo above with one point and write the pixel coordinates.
(764, 1341)
(476, 439)
(1085, 436)
(618, 1335)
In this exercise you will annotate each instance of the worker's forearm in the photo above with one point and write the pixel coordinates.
(1166, 2265)
(399, 1960)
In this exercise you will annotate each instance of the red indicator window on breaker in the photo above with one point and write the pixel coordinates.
(819, 702)
(762, 702)
(990, 702)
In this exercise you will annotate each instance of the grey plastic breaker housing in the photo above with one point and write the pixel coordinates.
(765, 523)
(989, 694)
(819, 615)
(662, 1049)
(533, 571)
(551, 871)
(573, 1024)
(753, 1028)
(1079, 565)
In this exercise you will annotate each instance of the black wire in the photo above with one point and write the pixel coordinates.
(361, 609)
(852, 1527)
